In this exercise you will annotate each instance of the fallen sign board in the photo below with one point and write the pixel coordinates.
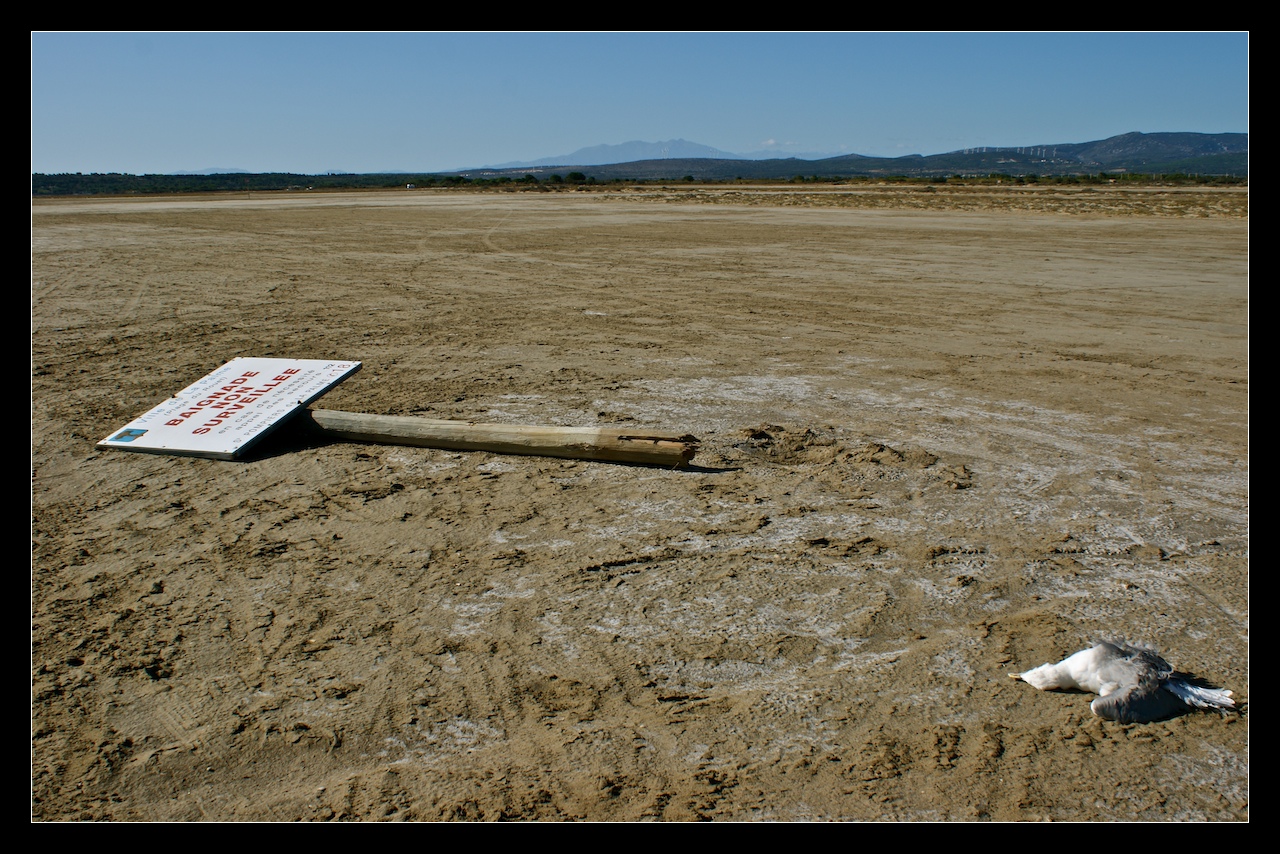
(223, 414)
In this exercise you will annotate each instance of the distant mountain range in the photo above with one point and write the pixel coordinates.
(1206, 155)
(1164, 153)
(672, 149)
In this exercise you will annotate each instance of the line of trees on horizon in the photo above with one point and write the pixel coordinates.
(123, 184)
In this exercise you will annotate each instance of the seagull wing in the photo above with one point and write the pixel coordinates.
(1138, 702)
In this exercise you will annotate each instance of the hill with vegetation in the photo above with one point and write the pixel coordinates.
(1213, 158)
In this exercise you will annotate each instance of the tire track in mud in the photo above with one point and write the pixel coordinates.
(795, 309)
(53, 297)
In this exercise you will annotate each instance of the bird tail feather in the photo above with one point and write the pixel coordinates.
(1201, 698)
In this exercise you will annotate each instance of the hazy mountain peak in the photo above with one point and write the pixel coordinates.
(599, 155)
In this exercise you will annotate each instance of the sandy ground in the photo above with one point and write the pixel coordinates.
(946, 435)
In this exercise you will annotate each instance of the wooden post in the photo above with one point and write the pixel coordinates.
(581, 443)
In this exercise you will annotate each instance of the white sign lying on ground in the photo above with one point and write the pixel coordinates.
(221, 415)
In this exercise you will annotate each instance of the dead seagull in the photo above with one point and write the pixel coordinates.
(1133, 683)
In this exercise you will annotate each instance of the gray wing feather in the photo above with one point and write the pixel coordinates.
(1139, 702)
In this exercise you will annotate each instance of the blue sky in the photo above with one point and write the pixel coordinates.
(369, 102)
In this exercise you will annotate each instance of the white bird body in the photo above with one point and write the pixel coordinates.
(1133, 683)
